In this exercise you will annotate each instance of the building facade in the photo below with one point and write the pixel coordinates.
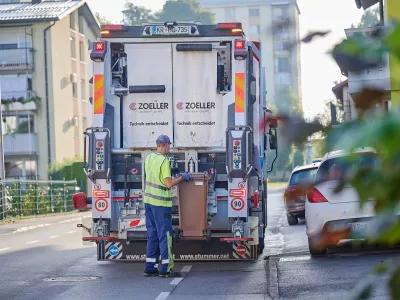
(275, 23)
(44, 75)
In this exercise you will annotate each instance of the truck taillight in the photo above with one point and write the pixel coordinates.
(79, 201)
(256, 199)
(99, 46)
(314, 196)
(239, 45)
(237, 193)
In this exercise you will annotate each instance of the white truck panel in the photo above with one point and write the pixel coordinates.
(200, 116)
(146, 116)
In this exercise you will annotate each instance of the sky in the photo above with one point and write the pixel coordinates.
(318, 69)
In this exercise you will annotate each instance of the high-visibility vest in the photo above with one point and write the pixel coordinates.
(155, 193)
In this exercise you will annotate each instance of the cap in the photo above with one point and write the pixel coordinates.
(164, 139)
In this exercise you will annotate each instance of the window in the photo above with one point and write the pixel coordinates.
(254, 30)
(280, 12)
(254, 12)
(20, 168)
(230, 14)
(18, 124)
(72, 20)
(82, 52)
(83, 89)
(280, 31)
(344, 167)
(283, 79)
(81, 25)
(281, 46)
(282, 65)
(303, 176)
(73, 50)
(74, 90)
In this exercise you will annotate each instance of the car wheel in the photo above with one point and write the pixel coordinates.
(315, 251)
(292, 220)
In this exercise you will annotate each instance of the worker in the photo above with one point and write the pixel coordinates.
(158, 207)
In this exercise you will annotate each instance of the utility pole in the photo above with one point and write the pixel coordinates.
(2, 170)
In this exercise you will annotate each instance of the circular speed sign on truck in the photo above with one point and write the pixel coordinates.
(237, 204)
(101, 205)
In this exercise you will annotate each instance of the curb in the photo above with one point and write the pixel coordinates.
(272, 277)
(27, 228)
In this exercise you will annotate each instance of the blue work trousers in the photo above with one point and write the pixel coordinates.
(159, 238)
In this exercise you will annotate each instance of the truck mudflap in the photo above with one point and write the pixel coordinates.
(215, 249)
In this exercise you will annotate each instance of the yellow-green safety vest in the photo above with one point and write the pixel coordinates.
(155, 193)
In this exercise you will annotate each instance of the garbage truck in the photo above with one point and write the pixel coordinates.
(204, 86)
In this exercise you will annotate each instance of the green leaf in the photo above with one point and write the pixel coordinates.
(393, 41)
(381, 268)
(394, 285)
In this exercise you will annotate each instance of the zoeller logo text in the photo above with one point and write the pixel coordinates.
(143, 106)
(196, 105)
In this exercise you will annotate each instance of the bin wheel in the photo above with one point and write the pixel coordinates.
(208, 239)
(176, 235)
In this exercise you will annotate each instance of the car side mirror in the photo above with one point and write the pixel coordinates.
(273, 139)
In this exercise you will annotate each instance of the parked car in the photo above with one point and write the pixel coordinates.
(326, 210)
(295, 195)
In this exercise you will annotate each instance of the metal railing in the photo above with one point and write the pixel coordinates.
(16, 58)
(23, 197)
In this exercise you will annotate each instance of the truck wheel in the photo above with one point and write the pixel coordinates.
(292, 220)
(315, 251)
(261, 246)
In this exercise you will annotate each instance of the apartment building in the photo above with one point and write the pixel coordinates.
(44, 75)
(267, 21)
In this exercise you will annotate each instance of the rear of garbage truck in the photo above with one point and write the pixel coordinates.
(204, 87)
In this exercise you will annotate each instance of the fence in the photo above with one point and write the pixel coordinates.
(21, 198)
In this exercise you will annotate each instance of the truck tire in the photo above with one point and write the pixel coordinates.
(261, 246)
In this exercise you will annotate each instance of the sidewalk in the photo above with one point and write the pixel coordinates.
(25, 224)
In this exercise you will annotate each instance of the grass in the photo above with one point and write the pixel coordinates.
(276, 184)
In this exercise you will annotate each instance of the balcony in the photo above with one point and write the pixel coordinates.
(376, 78)
(20, 59)
(20, 144)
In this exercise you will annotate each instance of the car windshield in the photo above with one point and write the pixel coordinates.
(343, 167)
(303, 176)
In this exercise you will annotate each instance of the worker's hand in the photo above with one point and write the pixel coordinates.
(186, 176)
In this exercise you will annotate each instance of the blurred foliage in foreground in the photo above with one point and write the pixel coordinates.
(376, 129)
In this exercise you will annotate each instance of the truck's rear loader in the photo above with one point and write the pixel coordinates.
(203, 86)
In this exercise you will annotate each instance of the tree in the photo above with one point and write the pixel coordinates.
(102, 20)
(136, 15)
(184, 10)
(370, 18)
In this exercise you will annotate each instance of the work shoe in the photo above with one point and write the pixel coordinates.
(151, 274)
(170, 274)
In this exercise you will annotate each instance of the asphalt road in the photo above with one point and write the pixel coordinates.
(34, 262)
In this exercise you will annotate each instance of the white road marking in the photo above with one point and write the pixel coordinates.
(72, 231)
(186, 268)
(295, 258)
(53, 236)
(32, 242)
(176, 281)
(4, 249)
(163, 296)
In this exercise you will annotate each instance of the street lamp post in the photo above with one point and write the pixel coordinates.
(2, 170)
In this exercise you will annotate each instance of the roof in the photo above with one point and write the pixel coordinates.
(306, 167)
(338, 89)
(230, 3)
(45, 11)
(341, 153)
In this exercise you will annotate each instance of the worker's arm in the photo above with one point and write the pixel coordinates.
(166, 175)
(169, 182)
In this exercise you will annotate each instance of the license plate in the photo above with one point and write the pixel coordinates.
(358, 226)
(173, 30)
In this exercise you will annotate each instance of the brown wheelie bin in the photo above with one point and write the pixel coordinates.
(192, 205)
